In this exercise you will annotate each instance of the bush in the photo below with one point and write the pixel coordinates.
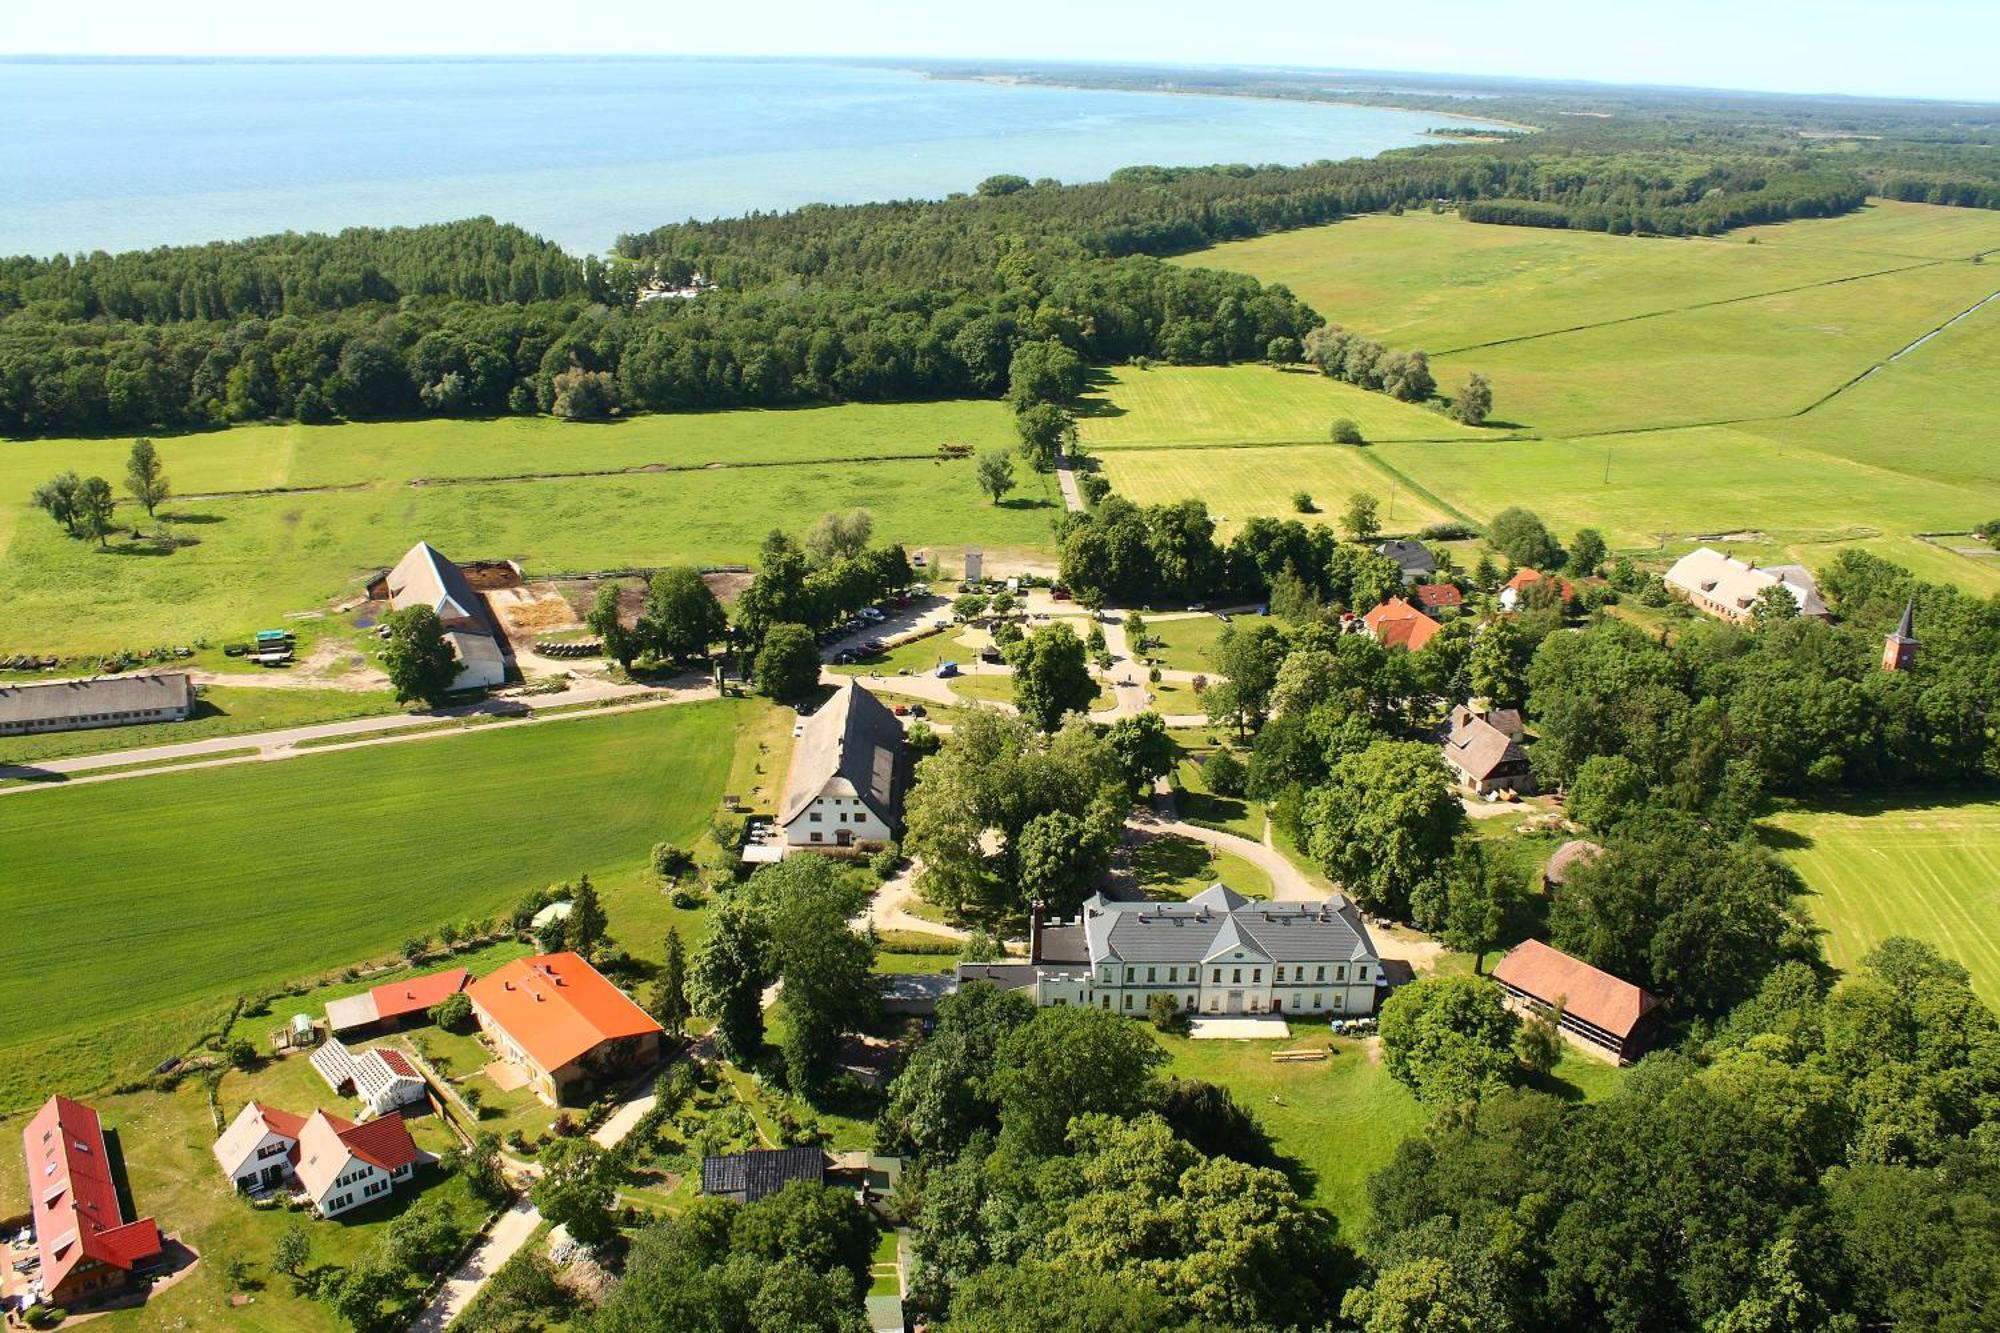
(1346, 432)
(46, 1316)
(1095, 487)
(687, 897)
(671, 861)
(1224, 774)
(1165, 1015)
(240, 1052)
(453, 1013)
(1302, 501)
(885, 862)
(1446, 531)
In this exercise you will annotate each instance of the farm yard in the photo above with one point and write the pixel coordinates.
(1881, 868)
(292, 867)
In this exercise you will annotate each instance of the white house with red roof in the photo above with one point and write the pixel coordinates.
(85, 1245)
(336, 1163)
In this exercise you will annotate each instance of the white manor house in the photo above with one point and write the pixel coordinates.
(1216, 953)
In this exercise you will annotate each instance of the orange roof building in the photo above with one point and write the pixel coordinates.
(556, 1017)
(86, 1245)
(1600, 1013)
(1397, 624)
(393, 1003)
(1514, 589)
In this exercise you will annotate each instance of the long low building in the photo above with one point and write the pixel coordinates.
(1601, 1014)
(1729, 588)
(106, 701)
(394, 1003)
(1217, 953)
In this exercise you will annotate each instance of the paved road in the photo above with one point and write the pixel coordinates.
(394, 727)
(1066, 479)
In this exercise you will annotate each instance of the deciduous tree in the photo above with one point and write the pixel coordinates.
(418, 658)
(145, 477)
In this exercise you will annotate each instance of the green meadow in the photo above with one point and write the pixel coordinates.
(257, 557)
(1240, 484)
(207, 884)
(1186, 406)
(1881, 867)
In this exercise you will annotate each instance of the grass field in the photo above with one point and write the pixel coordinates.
(1880, 868)
(1245, 404)
(212, 883)
(1440, 283)
(1186, 643)
(258, 557)
(1170, 866)
(1245, 483)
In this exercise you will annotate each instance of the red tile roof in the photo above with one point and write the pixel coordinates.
(1587, 993)
(384, 1142)
(73, 1197)
(1397, 624)
(1435, 596)
(393, 999)
(558, 1008)
(398, 1062)
(1524, 577)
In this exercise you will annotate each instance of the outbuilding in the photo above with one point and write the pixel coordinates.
(564, 1024)
(1601, 1014)
(105, 701)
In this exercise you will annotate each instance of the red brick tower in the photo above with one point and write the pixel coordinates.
(1899, 650)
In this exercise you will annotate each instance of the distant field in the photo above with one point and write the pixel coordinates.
(206, 884)
(1748, 360)
(259, 557)
(1245, 404)
(1245, 483)
(1878, 869)
(1439, 282)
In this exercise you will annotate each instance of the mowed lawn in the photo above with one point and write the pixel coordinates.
(1880, 868)
(260, 557)
(1239, 484)
(203, 885)
(1132, 408)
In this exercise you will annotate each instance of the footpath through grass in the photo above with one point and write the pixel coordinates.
(1876, 868)
(211, 883)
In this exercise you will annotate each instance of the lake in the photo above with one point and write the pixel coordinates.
(123, 154)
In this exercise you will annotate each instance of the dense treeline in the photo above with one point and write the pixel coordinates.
(301, 274)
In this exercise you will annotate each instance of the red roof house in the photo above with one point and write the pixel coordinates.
(1438, 596)
(1607, 1015)
(87, 1246)
(559, 1019)
(1397, 624)
(1514, 589)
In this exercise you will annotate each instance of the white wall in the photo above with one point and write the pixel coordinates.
(836, 813)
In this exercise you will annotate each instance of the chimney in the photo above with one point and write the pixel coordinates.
(1035, 931)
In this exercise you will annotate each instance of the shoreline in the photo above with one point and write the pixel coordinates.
(1023, 81)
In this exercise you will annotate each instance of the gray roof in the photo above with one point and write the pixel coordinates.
(1411, 556)
(70, 699)
(423, 577)
(1064, 944)
(1007, 976)
(853, 746)
(763, 1172)
(1218, 920)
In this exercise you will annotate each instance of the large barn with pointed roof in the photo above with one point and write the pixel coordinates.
(848, 771)
(1217, 953)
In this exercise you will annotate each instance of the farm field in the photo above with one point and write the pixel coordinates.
(1132, 408)
(321, 859)
(259, 557)
(224, 710)
(1245, 483)
(1879, 868)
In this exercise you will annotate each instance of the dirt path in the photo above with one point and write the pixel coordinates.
(887, 910)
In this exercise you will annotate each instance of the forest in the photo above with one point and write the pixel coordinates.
(911, 299)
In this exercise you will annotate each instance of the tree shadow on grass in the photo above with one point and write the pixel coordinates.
(1170, 860)
(138, 548)
(1024, 502)
(192, 518)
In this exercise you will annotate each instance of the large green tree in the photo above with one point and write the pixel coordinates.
(1067, 1062)
(941, 1097)
(682, 616)
(727, 978)
(1051, 676)
(1384, 822)
(577, 1187)
(418, 658)
(1447, 1038)
(145, 476)
(788, 663)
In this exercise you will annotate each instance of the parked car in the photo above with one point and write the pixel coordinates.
(871, 614)
(946, 670)
(918, 710)
(901, 710)
(1197, 606)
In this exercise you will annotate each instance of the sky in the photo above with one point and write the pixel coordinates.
(1921, 48)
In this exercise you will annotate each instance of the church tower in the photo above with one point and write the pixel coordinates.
(1899, 650)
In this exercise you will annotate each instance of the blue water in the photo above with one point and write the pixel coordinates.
(122, 154)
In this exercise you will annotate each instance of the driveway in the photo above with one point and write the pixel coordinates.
(887, 910)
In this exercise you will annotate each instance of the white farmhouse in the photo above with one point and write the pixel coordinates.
(846, 784)
(335, 1163)
(1217, 953)
(1729, 588)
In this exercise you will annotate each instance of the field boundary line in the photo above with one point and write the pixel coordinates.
(1100, 450)
(1698, 305)
(1421, 491)
(656, 469)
